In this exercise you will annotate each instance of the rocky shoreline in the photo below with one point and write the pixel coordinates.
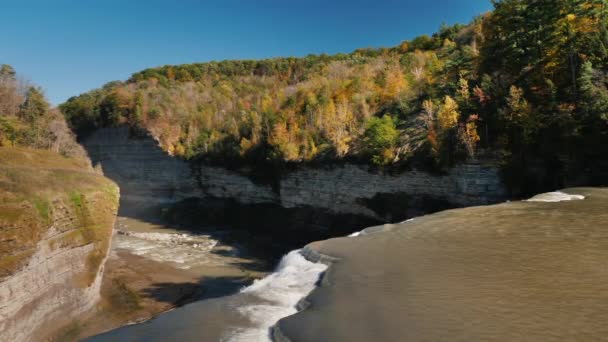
(154, 268)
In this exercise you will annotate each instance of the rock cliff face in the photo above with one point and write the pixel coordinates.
(145, 172)
(56, 222)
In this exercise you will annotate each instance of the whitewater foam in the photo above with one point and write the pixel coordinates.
(555, 196)
(276, 296)
(183, 250)
(374, 229)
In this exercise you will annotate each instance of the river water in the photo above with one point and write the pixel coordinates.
(245, 316)
(248, 314)
(222, 259)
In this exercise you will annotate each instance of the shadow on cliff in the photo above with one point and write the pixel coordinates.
(261, 233)
(160, 189)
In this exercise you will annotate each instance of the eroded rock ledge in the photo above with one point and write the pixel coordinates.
(56, 222)
(146, 174)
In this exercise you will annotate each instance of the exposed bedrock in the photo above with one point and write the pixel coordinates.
(56, 223)
(312, 196)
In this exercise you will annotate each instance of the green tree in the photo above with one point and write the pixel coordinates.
(594, 94)
(34, 106)
(380, 137)
(7, 72)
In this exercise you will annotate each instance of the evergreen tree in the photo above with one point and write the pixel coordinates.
(35, 105)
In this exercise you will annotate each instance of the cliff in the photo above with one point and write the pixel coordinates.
(306, 197)
(56, 222)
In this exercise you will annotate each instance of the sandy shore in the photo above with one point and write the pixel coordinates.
(520, 271)
(173, 268)
(136, 289)
(133, 289)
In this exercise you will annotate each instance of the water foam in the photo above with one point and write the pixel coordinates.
(555, 196)
(373, 229)
(277, 295)
(183, 250)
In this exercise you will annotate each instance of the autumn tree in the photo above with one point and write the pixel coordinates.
(10, 95)
(448, 114)
(468, 136)
(529, 77)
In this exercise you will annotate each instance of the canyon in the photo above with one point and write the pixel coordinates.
(60, 255)
(300, 205)
(149, 178)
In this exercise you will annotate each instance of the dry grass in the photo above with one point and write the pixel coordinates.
(33, 158)
(38, 189)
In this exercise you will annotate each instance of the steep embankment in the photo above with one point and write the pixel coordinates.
(305, 198)
(56, 221)
(518, 271)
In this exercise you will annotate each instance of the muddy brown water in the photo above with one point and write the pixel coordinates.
(519, 271)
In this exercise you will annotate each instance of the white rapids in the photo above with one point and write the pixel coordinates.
(183, 250)
(277, 296)
(556, 196)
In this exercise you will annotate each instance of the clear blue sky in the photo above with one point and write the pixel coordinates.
(71, 46)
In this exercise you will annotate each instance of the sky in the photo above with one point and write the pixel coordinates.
(71, 46)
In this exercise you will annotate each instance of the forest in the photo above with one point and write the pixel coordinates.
(27, 119)
(527, 81)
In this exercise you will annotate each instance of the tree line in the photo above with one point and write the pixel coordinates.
(528, 79)
(27, 119)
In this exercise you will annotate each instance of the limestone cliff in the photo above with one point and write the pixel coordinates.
(147, 174)
(56, 222)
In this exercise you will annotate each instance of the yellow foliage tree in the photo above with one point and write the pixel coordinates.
(448, 115)
(468, 136)
(395, 83)
(283, 138)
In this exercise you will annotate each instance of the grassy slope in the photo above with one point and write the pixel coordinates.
(41, 189)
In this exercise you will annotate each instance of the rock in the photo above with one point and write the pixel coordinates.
(54, 247)
(146, 173)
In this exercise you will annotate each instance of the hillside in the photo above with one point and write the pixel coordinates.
(35, 187)
(28, 120)
(527, 80)
(56, 217)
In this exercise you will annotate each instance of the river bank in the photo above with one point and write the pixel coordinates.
(525, 270)
(154, 268)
